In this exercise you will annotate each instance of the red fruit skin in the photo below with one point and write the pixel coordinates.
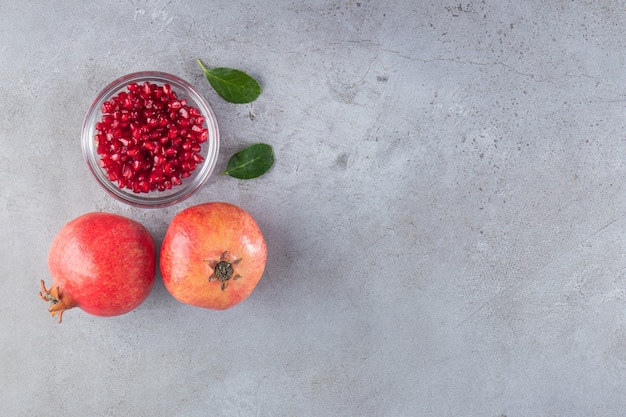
(103, 263)
(200, 234)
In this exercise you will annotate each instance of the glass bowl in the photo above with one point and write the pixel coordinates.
(152, 199)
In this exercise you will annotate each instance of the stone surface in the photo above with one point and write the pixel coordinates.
(445, 219)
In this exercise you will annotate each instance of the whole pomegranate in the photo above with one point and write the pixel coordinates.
(102, 263)
(213, 255)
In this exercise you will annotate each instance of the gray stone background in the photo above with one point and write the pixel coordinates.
(445, 219)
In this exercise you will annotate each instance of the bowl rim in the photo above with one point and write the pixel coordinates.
(153, 199)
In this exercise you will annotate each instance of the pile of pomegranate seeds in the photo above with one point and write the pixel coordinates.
(148, 139)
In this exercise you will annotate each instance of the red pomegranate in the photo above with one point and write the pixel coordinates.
(102, 263)
(213, 255)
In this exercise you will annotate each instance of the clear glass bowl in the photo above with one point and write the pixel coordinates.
(156, 198)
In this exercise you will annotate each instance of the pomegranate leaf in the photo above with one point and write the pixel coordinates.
(232, 85)
(251, 162)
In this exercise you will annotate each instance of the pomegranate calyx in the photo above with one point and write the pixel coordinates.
(58, 304)
(51, 295)
(223, 269)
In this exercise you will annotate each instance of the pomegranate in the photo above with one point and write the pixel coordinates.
(213, 255)
(102, 263)
(149, 139)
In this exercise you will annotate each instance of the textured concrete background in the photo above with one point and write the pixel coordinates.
(445, 220)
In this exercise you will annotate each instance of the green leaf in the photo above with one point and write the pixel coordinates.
(231, 84)
(251, 162)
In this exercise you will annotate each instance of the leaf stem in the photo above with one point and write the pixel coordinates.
(204, 69)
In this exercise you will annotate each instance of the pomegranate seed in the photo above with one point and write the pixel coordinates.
(159, 160)
(132, 152)
(144, 186)
(168, 168)
(187, 166)
(127, 172)
(107, 107)
(135, 133)
(148, 139)
(155, 177)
